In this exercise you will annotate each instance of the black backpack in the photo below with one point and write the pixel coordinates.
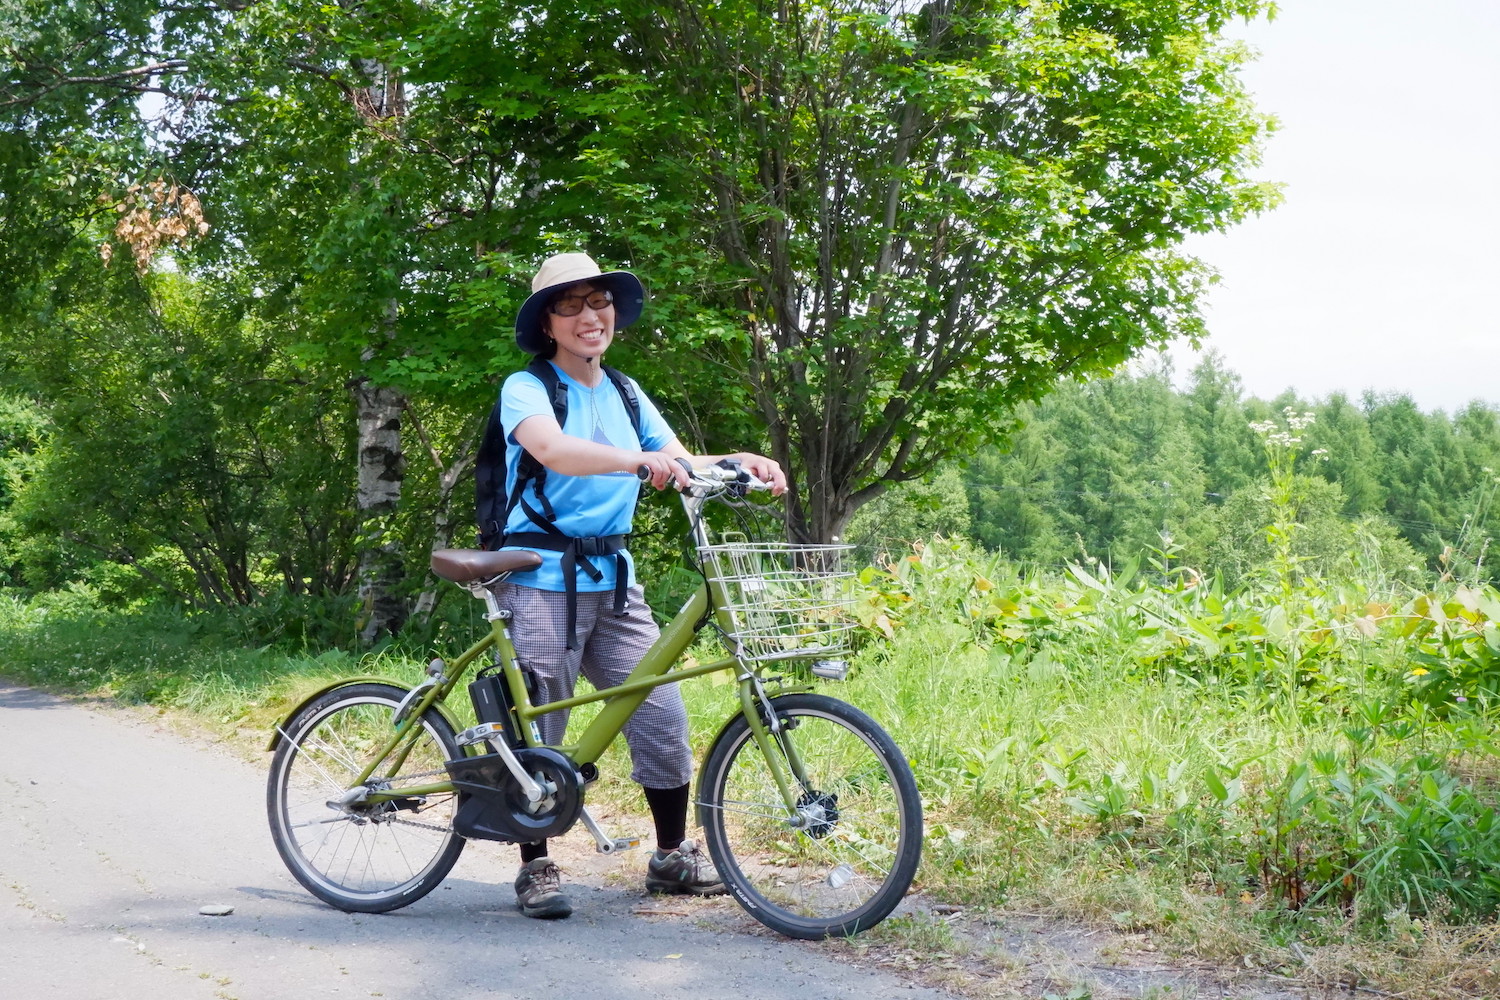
(492, 506)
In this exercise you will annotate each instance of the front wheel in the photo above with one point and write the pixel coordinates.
(840, 861)
(365, 857)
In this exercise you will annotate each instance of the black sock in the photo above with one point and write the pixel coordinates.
(669, 811)
(530, 852)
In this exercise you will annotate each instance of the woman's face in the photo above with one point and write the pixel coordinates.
(587, 333)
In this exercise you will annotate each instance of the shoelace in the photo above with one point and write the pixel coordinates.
(692, 858)
(547, 878)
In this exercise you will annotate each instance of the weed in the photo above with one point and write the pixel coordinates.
(922, 933)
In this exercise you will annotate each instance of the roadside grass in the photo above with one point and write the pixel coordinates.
(1305, 786)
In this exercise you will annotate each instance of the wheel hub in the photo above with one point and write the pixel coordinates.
(818, 813)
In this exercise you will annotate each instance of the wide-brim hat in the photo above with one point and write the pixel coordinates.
(564, 269)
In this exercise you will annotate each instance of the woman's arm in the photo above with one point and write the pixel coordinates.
(574, 456)
(765, 469)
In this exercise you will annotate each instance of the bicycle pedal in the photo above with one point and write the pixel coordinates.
(480, 733)
(620, 844)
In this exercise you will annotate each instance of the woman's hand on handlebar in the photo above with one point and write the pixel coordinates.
(765, 469)
(667, 467)
(661, 470)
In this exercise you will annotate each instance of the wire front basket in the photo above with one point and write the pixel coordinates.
(784, 601)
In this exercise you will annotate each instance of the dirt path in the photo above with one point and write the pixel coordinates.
(118, 829)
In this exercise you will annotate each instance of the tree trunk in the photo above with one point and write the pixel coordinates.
(818, 516)
(381, 470)
(382, 464)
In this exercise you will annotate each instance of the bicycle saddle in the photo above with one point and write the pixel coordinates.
(468, 565)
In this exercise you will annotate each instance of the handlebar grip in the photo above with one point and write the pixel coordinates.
(643, 473)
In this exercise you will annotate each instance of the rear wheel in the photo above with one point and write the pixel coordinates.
(361, 856)
(846, 856)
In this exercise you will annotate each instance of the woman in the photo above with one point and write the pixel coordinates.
(569, 615)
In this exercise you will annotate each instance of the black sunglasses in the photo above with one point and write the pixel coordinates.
(572, 305)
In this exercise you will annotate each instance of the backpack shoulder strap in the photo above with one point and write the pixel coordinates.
(528, 469)
(557, 393)
(492, 505)
(529, 472)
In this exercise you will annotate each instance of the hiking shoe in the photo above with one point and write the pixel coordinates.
(685, 871)
(538, 890)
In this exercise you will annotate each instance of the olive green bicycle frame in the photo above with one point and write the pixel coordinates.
(620, 701)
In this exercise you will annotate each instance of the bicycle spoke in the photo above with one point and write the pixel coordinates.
(774, 811)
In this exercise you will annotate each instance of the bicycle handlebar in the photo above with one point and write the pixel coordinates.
(714, 476)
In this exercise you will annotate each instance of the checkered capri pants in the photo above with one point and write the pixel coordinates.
(609, 648)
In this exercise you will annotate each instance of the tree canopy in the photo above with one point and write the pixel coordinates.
(869, 229)
(1128, 464)
(889, 222)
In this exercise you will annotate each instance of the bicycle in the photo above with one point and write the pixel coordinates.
(809, 809)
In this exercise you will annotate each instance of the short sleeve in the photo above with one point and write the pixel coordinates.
(522, 396)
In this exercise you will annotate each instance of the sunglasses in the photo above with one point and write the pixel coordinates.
(572, 305)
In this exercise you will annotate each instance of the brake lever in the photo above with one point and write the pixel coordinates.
(739, 486)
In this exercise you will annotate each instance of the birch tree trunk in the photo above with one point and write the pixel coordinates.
(382, 464)
(382, 467)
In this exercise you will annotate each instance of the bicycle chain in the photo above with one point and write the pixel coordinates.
(400, 821)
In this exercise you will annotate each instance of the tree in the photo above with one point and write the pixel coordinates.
(286, 121)
(1477, 428)
(198, 457)
(1104, 469)
(871, 228)
(1352, 460)
(913, 512)
(1419, 453)
(1227, 449)
(1012, 498)
(914, 218)
(23, 431)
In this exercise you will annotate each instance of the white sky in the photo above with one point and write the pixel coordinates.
(1381, 269)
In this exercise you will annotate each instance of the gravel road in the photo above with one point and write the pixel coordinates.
(117, 830)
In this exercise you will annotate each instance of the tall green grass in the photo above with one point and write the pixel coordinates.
(1171, 740)
(157, 655)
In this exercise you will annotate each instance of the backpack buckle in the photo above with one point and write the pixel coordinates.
(598, 545)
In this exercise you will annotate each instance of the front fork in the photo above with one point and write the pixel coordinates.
(771, 735)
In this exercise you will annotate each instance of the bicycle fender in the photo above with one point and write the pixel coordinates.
(276, 733)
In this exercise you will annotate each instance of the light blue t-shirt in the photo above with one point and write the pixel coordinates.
(586, 506)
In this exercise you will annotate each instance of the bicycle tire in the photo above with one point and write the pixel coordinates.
(849, 857)
(369, 860)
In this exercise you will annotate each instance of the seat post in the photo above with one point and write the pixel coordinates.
(492, 610)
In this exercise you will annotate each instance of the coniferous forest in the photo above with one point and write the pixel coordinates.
(1128, 464)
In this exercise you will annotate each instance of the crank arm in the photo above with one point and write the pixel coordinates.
(494, 734)
(602, 843)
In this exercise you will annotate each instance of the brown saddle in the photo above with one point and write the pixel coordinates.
(469, 565)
